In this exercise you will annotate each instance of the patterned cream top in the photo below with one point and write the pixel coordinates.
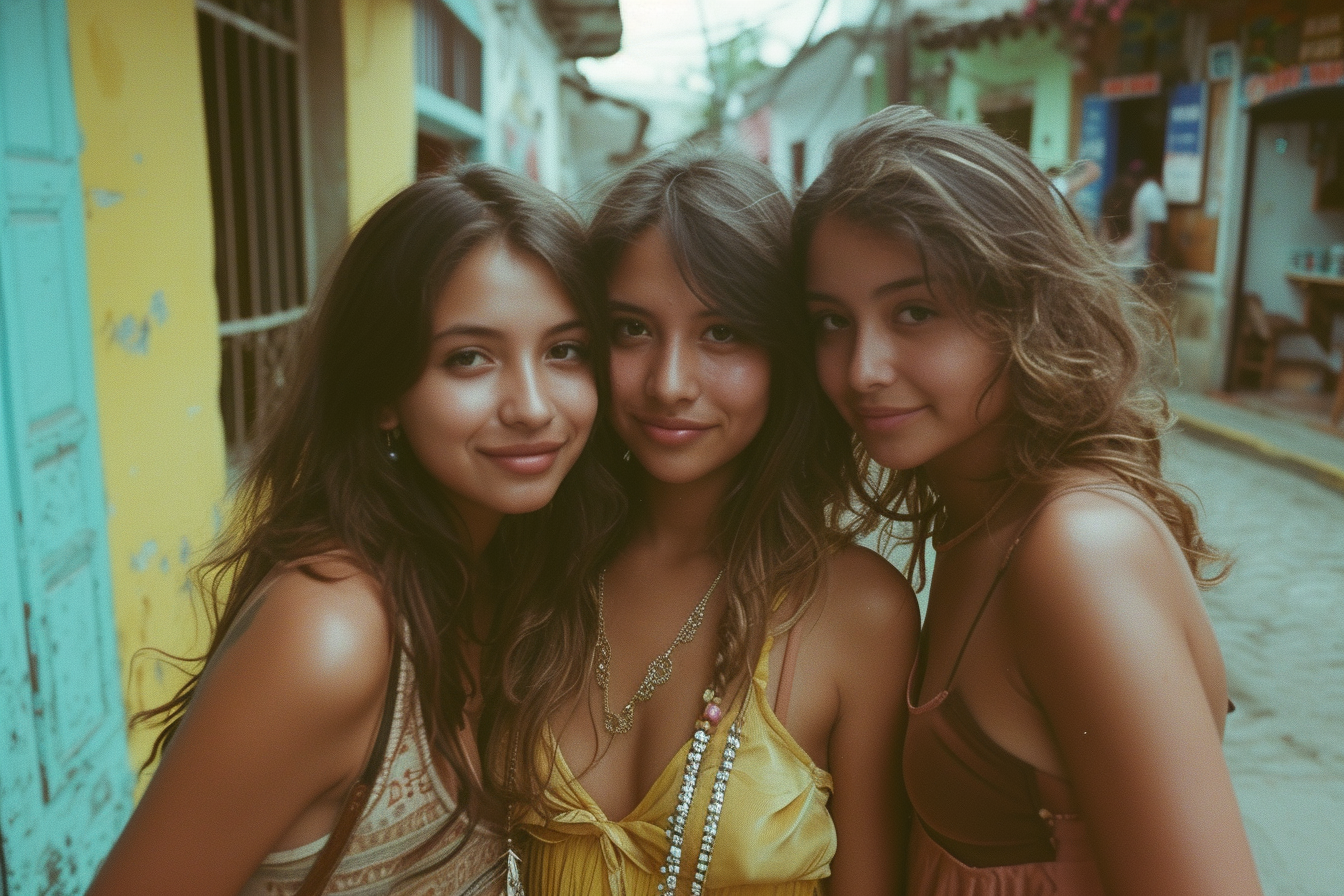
(406, 808)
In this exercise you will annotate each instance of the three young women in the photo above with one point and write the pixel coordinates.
(445, 389)
(718, 707)
(1069, 698)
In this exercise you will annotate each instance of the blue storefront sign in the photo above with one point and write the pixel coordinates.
(1183, 160)
(1096, 142)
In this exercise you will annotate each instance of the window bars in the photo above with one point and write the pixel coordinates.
(250, 60)
(447, 54)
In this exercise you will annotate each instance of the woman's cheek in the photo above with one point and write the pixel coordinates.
(579, 395)
(832, 364)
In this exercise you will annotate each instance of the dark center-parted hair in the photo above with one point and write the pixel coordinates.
(1081, 344)
(320, 479)
(727, 224)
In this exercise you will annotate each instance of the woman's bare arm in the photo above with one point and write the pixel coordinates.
(281, 720)
(869, 628)
(1111, 638)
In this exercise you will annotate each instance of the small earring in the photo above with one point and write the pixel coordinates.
(390, 437)
(626, 456)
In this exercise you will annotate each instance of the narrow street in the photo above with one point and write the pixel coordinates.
(1280, 620)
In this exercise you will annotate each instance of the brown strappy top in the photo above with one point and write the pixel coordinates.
(979, 802)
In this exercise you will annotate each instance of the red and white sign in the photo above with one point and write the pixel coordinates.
(1318, 74)
(1126, 87)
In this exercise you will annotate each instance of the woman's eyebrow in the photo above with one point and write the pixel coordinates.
(475, 330)
(902, 283)
(479, 331)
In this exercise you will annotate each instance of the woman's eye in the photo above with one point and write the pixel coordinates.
(914, 314)
(625, 328)
(469, 357)
(568, 351)
(829, 322)
(721, 333)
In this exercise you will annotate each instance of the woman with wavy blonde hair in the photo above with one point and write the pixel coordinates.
(1069, 698)
(715, 707)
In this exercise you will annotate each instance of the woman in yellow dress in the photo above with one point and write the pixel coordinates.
(715, 704)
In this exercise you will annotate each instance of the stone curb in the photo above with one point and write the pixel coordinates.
(1319, 471)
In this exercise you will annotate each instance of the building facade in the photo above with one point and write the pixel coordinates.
(178, 175)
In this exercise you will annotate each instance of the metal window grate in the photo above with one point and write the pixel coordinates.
(249, 68)
(447, 54)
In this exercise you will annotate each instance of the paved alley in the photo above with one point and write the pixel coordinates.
(1280, 621)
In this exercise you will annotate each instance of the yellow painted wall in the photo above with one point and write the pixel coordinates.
(156, 345)
(380, 101)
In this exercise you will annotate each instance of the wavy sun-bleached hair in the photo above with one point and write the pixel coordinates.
(1083, 346)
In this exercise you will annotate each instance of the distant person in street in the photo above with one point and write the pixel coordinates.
(1140, 248)
(1067, 181)
(717, 711)
(443, 392)
(1069, 698)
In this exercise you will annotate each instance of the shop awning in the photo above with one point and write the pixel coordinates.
(583, 27)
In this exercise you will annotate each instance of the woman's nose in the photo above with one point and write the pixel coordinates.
(528, 402)
(675, 375)
(873, 362)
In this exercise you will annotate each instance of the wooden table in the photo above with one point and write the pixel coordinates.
(1325, 299)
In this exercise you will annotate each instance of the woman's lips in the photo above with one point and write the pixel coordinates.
(885, 419)
(671, 430)
(528, 459)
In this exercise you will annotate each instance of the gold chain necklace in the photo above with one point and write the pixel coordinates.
(660, 670)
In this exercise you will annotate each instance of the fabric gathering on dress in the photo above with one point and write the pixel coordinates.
(775, 836)
(408, 805)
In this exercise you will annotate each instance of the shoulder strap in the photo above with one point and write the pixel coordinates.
(1008, 555)
(786, 673)
(315, 881)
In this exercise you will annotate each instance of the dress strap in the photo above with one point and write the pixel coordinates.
(786, 673)
(1008, 555)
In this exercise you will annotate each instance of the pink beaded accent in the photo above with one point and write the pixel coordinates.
(713, 713)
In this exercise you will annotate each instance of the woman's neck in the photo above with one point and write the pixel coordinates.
(678, 518)
(971, 477)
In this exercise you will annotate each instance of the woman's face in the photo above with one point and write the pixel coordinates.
(900, 361)
(507, 399)
(688, 394)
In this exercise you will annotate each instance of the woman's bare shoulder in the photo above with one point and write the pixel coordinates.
(316, 633)
(863, 598)
(1099, 564)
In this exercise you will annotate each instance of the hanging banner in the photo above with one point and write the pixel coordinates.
(1096, 141)
(1183, 161)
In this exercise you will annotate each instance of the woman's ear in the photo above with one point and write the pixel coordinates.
(388, 419)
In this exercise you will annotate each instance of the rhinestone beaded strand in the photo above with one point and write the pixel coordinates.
(676, 830)
(715, 808)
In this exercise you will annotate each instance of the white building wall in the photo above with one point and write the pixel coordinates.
(822, 97)
(521, 106)
(1282, 217)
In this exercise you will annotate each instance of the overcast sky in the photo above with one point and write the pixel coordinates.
(664, 40)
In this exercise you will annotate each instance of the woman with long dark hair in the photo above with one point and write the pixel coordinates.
(713, 707)
(1069, 697)
(445, 388)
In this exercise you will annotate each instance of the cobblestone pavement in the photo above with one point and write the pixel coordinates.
(1279, 618)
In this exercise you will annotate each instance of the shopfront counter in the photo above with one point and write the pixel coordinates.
(1324, 297)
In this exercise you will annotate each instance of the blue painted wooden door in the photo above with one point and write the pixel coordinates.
(65, 781)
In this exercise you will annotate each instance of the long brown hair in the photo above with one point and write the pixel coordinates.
(321, 479)
(728, 226)
(1082, 343)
